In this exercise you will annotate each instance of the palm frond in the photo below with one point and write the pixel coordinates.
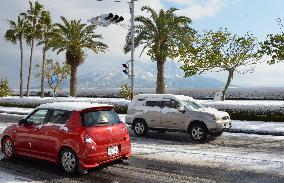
(73, 36)
(163, 33)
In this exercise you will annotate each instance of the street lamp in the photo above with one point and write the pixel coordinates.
(131, 7)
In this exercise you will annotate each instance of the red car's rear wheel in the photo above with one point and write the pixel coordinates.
(8, 148)
(69, 161)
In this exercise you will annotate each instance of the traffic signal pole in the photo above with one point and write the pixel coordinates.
(132, 46)
(107, 19)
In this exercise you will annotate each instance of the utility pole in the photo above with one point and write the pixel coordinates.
(131, 6)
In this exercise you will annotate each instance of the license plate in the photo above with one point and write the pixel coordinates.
(112, 150)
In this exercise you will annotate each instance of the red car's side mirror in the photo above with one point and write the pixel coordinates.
(22, 121)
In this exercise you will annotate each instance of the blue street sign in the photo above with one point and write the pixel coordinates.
(53, 79)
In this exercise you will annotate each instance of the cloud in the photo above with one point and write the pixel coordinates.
(113, 36)
(197, 9)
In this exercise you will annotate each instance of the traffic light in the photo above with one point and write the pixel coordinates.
(106, 19)
(125, 69)
(109, 16)
(117, 19)
(114, 18)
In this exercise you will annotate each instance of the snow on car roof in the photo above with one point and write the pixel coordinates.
(161, 96)
(183, 97)
(73, 106)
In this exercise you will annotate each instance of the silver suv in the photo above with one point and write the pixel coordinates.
(167, 112)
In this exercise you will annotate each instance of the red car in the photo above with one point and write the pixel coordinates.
(77, 135)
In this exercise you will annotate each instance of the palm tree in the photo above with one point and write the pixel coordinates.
(163, 34)
(15, 34)
(32, 17)
(46, 31)
(73, 37)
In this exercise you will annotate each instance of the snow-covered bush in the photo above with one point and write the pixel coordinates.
(198, 93)
(259, 110)
(119, 104)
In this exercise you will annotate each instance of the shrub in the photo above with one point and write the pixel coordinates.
(125, 92)
(5, 89)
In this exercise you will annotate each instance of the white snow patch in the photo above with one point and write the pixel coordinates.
(252, 136)
(13, 115)
(72, 106)
(38, 100)
(4, 125)
(167, 110)
(209, 155)
(61, 126)
(258, 126)
(259, 106)
(16, 110)
(12, 178)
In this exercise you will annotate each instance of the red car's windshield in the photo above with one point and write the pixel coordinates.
(94, 118)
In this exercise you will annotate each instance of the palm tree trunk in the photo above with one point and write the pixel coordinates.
(21, 68)
(30, 69)
(160, 88)
(73, 80)
(42, 74)
(230, 77)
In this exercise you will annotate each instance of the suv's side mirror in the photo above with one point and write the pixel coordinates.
(181, 109)
(22, 121)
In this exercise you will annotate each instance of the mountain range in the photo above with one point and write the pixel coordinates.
(145, 77)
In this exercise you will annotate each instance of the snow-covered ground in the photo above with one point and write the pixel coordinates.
(10, 177)
(231, 151)
(241, 159)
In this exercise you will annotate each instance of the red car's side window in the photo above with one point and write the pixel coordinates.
(59, 116)
(38, 117)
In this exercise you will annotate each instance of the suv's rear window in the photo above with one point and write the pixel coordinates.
(95, 118)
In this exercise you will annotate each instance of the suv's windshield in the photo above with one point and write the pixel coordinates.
(95, 118)
(194, 105)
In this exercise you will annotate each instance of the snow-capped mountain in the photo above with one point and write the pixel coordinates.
(145, 77)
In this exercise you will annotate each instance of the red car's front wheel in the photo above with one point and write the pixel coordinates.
(8, 148)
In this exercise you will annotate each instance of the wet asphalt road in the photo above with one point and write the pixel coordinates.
(138, 169)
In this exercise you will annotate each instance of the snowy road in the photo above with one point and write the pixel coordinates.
(173, 157)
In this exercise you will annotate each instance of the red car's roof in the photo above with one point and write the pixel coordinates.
(73, 106)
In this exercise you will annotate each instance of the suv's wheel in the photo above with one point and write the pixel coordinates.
(8, 148)
(198, 132)
(140, 127)
(69, 161)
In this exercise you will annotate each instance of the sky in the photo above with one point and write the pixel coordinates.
(239, 16)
